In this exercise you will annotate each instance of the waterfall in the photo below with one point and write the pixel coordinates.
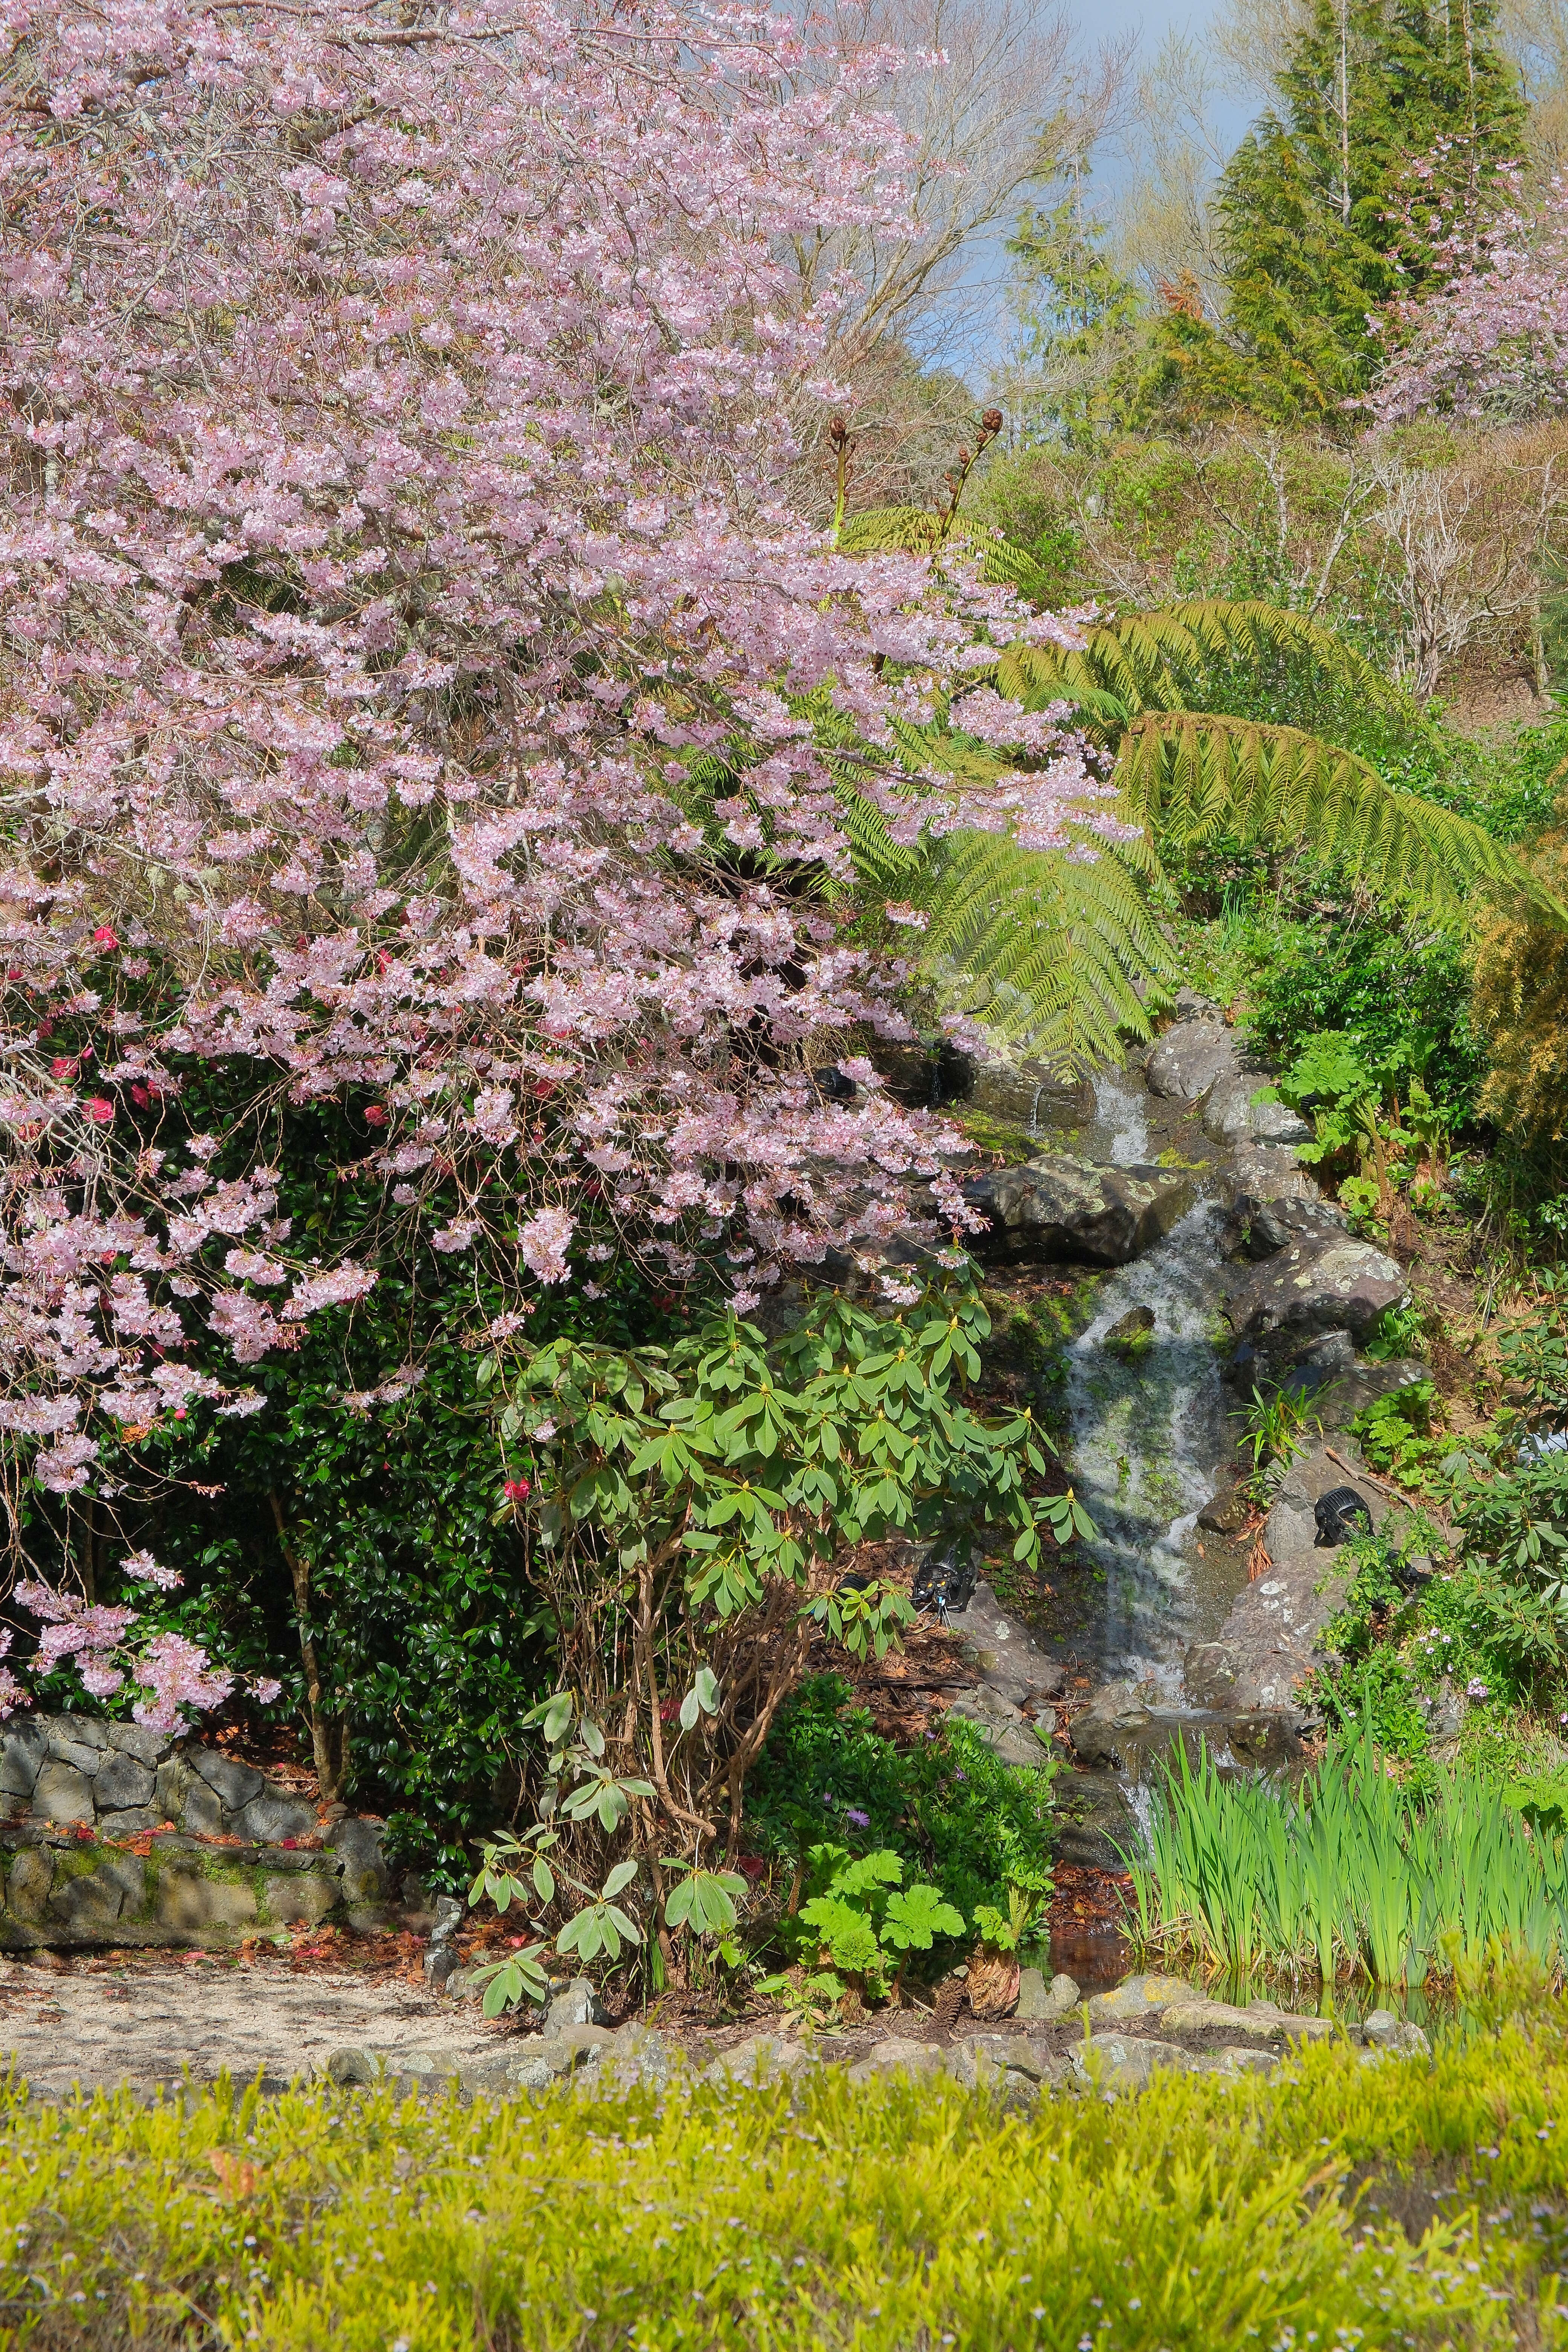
(1148, 1422)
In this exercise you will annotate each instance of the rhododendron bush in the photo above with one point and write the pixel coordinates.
(405, 634)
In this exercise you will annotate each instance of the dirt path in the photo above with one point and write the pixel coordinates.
(105, 2020)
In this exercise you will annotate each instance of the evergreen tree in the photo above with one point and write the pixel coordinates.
(1076, 312)
(1392, 115)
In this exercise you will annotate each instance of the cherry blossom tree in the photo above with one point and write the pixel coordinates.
(408, 654)
(1492, 338)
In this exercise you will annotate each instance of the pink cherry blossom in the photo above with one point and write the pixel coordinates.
(404, 430)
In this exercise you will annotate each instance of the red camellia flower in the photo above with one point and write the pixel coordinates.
(105, 939)
(375, 1115)
(62, 1067)
(98, 1109)
(517, 1490)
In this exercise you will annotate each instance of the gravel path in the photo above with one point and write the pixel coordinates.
(101, 2022)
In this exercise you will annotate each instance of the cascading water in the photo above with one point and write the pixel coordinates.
(1148, 1421)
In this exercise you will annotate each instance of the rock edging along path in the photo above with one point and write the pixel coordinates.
(117, 1835)
(153, 2027)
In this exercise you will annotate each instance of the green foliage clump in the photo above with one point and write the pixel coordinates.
(948, 1808)
(1393, 993)
(1352, 1870)
(821, 2214)
(860, 1919)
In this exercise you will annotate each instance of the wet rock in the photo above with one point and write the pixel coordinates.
(1057, 1208)
(1319, 1367)
(1095, 1824)
(1227, 1513)
(1268, 1643)
(1264, 1174)
(1191, 1058)
(1025, 1094)
(1263, 1227)
(1041, 2002)
(1129, 1330)
(995, 1643)
(1101, 1733)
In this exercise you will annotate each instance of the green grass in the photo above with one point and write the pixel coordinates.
(896, 2217)
(1348, 1871)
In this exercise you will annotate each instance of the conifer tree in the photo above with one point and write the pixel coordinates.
(1392, 117)
(1076, 312)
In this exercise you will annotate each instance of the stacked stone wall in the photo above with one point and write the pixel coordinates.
(113, 1834)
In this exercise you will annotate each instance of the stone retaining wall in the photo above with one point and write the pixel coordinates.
(114, 1834)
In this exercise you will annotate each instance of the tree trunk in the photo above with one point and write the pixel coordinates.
(328, 1732)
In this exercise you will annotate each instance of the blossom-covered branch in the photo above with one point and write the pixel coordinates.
(404, 642)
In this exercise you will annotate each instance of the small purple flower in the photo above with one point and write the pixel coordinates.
(1476, 1688)
(856, 1818)
(961, 1776)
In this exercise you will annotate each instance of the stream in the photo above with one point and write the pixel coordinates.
(1148, 1424)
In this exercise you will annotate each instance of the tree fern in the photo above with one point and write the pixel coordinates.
(1059, 952)
(1189, 781)
(1053, 954)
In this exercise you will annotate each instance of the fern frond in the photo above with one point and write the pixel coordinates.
(1050, 951)
(1160, 661)
(1188, 779)
(891, 530)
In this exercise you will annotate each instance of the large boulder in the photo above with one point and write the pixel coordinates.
(1270, 1641)
(1314, 1285)
(1272, 1637)
(1262, 1227)
(1232, 1115)
(1056, 1208)
(1191, 1057)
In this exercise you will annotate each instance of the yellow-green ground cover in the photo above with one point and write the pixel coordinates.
(1296, 2211)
